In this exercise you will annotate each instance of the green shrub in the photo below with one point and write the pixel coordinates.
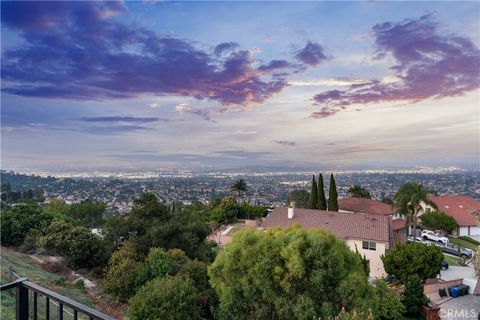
(438, 220)
(167, 298)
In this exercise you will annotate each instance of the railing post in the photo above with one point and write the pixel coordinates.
(21, 302)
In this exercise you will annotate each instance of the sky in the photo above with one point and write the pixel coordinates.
(147, 84)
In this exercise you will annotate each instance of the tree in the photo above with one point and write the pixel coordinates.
(300, 197)
(88, 213)
(16, 222)
(288, 274)
(409, 259)
(322, 201)
(57, 206)
(314, 194)
(239, 186)
(438, 220)
(408, 200)
(388, 304)
(413, 297)
(387, 200)
(332, 195)
(121, 279)
(167, 298)
(358, 191)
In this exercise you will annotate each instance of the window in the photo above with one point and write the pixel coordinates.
(369, 245)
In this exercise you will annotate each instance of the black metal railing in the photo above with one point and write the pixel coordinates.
(29, 308)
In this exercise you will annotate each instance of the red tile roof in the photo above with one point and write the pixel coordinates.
(364, 205)
(398, 224)
(343, 225)
(459, 207)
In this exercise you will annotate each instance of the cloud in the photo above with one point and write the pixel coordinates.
(285, 143)
(244, 132)
(428, 65)
(311, 54)
(274, 65)
(81, 50)
(154, 105)
(185, 108)
(120, 119)
(182, 107)
(326, 82)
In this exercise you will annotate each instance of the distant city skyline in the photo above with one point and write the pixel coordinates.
(150, 84)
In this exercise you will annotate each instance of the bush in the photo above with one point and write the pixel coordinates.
(166, 298)
(121, 278)
(388, 304)
(470, 240)
(16, 222)
(438, 220)
(413, 297)
(157, 264)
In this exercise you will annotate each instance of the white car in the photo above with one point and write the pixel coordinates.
(433, 236)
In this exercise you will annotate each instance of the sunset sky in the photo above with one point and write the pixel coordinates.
(192, 84)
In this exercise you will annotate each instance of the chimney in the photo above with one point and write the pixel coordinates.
(291, 210)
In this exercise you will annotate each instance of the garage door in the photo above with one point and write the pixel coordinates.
(475, 231)
(463, 231)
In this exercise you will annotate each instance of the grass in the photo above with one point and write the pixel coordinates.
(26, 267)
(463, 243)
(452, 261)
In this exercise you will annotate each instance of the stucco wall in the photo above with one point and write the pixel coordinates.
(376, 264)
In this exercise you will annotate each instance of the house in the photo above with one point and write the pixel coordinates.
(375, 207)
(462, 209)
(370, 234)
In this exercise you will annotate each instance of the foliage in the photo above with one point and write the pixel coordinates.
(388, 304)
(157, 264)
(354, 315)
(408, 199)
(332, 195)
(290, 274)
(387, 200)
(314, 194)
(358, 191)
(88, 213)
(78, 245)
(166, 298)
(57, 207)
(365, 262)
(300, 197)
(121, 279)
(19, 221)
(225, 211)
(476, 263)
(437, 220)
(413, 297)
(409, 259)
(150, 224)
(239, 186)
(322, 201)
(247, 211)
(468, 239)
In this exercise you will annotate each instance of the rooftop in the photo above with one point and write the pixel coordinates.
(459, 207)
(343, 225)
(364, 205)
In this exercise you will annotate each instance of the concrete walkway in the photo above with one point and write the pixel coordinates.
(466, 273)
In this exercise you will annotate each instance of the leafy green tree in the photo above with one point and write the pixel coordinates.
(300, 197)
(365, 262)
(409, 259)
(247, 211)
(408, 200)
(387, 200)
(239, 186)
(167, 298)
(388, 304)
(438, 220)
(358, 191)
(322, 201)
(287, 274)
(157, 264)
(121, 278)
(314, 194)
(413, 297)
(332, 195)
(228, 209)
(57, 207)
(88, 213)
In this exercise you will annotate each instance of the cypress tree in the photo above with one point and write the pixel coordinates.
(314, 195)
(332, 195)
(322, 201)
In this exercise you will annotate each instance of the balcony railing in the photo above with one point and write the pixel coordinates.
(27, 302)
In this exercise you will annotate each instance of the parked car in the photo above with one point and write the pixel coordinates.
(444, 265)
(455, 250)
(433, 236)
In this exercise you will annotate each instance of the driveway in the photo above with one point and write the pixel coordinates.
(466, 273)
(461, 308)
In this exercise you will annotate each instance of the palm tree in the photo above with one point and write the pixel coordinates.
(407, 202)
(239, 186)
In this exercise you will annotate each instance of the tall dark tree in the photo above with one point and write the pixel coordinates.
(314, 194)
(332, 195)
(322, 200)
(239, 186)
(358, 191)
(300, 197)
